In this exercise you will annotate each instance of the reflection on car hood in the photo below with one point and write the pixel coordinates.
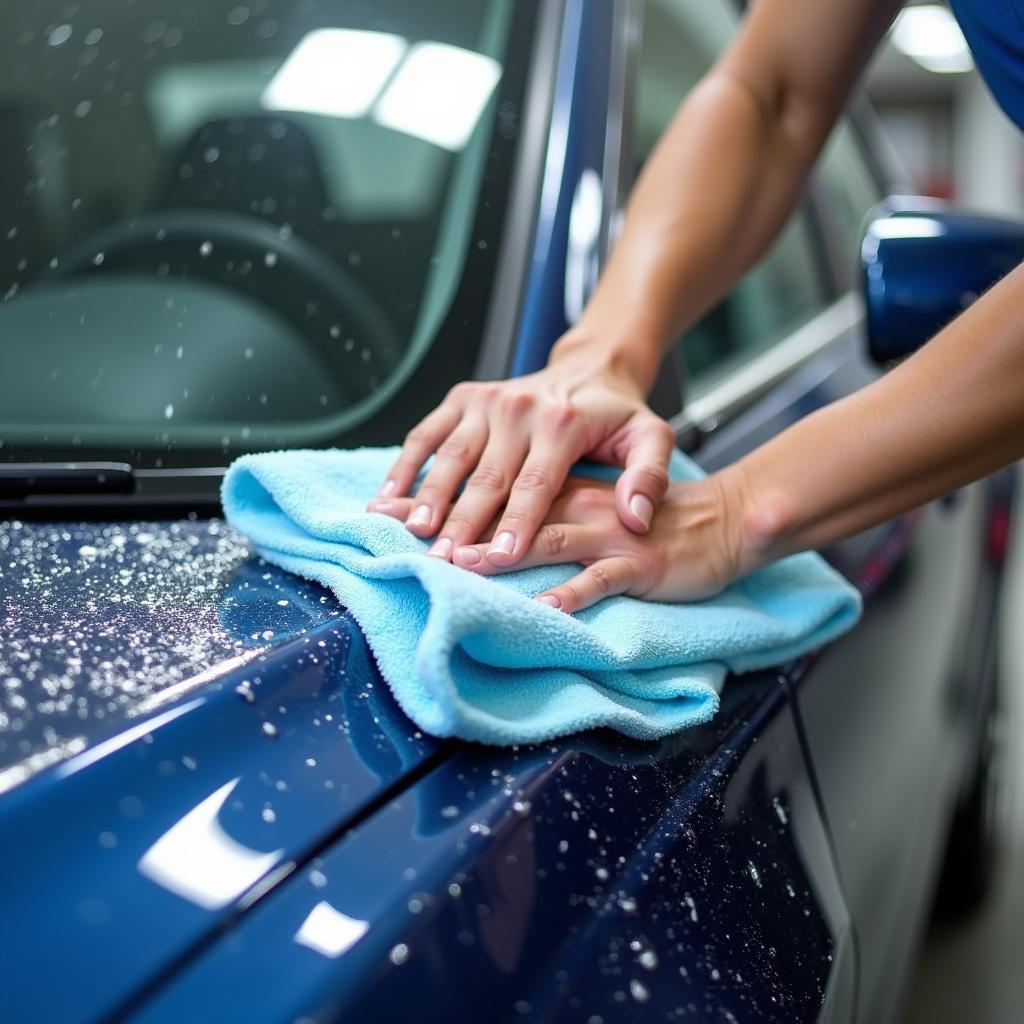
(102, 621)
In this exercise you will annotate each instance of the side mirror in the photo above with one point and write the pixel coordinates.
(924, 262)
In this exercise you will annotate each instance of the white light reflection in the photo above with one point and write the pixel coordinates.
(329, 931)
(198, 860)
(335, 71)
(584, 234)
(438, 94)
(906, 227)
(930, 35)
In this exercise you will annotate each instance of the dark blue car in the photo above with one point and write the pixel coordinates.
(229, 227)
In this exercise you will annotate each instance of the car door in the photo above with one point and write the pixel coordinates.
(880, 707)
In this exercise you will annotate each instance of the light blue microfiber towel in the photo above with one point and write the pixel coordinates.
(475, 657)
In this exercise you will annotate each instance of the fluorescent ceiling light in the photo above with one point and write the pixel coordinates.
(930, 35)
(335, 71)
(438, 94)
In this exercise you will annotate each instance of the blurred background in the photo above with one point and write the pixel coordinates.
(950, 139)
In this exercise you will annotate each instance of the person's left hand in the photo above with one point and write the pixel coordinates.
(693, 549)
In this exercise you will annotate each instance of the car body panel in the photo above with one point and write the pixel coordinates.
(899, 697)
(590, 876)
(137, 847)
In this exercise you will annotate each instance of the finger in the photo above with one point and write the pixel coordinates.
(553, 545)
(538, 484)
(396, 508)
(486, 490)
(420, 443)
(604, 578)
(399, 508)
(644, 480)
(456, 458)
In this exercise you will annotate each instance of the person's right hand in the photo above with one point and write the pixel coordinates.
(514, 442)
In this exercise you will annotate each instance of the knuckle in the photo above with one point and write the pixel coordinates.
(489, 478)
(562, 415)
(534, 478)
(569, 594)
(551, 540)
(462, 390)
(428, 491)
(654, 476)
(515, 403)
(662, 431)
(458, 520)
(590, 498)
(419, 434)
(454, 448)
(600, 577)
(647, 569)
(514, 514)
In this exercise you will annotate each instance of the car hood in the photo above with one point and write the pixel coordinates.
(182, 725)
(104, 622)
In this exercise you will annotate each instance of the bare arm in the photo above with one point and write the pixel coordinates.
(717, 188)
(950, 414)
(727, 173)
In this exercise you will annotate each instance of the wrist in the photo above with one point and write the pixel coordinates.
(630, 356)
(758, 522)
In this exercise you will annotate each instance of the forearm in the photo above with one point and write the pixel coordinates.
(949, 415)
(716, 190)
(725, 176)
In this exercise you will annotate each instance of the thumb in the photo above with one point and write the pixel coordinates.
(644, 479)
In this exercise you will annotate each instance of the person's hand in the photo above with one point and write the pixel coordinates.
(695, 547)
(514, 442)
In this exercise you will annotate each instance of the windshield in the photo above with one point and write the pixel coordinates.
(227, 227)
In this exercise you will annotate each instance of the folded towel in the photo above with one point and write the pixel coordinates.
(475, 657)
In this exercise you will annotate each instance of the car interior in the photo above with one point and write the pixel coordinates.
(195, 227)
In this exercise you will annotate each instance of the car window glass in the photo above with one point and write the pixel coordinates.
(679, 41)
(848, 190)
(229, 226)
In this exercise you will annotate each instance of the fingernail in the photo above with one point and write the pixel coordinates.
(387, 489)
(467, 556)
(441, 548)
(421, 516)
(380, 506)
(550, 600)
(503, 544)
(642, 507)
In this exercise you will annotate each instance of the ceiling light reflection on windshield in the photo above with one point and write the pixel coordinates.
(438, 94)
(335, 71)
(329, 931)
(196, 859)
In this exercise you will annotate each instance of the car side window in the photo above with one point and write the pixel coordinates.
(679, 41)
(847, 189)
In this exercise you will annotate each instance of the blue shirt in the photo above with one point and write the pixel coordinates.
(994, 30)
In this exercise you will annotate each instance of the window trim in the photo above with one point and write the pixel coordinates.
(501, 324)
(735, 393)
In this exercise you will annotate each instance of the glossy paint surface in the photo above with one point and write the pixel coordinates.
(590, 879)
(891, 710)
(922, 266)
(101, 622)
(138, 847)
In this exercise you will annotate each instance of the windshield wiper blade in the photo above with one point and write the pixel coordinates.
(22, 480)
